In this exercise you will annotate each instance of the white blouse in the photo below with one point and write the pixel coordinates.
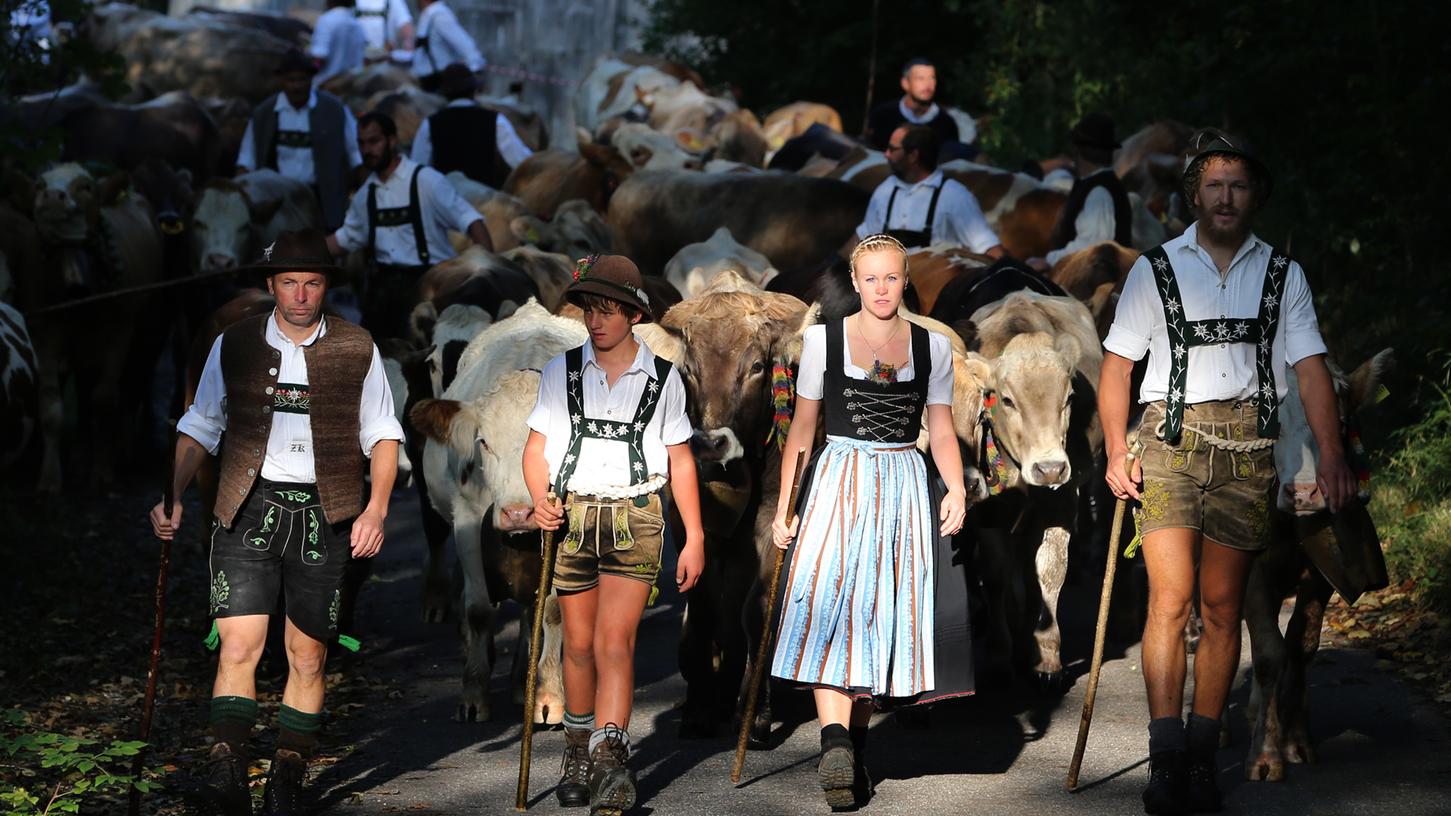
(811, 374)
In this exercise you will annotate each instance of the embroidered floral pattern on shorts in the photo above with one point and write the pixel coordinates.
(295, 495)
(221, 591)
(332, 610)
(1259, 520)
(311, 552)
(1155, 499)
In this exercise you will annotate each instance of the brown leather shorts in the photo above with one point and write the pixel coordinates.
(609, 536)
(1221, 493)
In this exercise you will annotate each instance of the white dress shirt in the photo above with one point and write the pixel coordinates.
(811, 373)
(381, 21)
(296, 162)
(603, 468)
(511, 147)
(932, 112)
(447, 42)
(338, 41)
(1216, 372)
(958, 221)
(289, 446)
(442, 208)
(1095, 222)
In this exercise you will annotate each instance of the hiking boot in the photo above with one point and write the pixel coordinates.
(837, 774)
(573, 787)
(1166, 793)
(283, 794)
(862, 787)
(220, 788)
(611, 783)
(1203, 790)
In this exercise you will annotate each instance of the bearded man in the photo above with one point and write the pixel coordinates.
(401, 216)
(1220, 314)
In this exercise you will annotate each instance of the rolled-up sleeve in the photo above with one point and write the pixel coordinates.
(876, 218)
(1301, 327)
(206, 419)
(423, 144)
(446, 200)
(1138, 311)
(376, 418)
(511, 147)
(674, 423)
(352, 235)
(966, 225)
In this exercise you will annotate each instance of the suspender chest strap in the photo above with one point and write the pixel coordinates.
(1185, 334)
(913, 238)
(397, 217)
(581, 427)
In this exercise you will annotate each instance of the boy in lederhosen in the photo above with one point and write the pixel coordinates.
(608, 432)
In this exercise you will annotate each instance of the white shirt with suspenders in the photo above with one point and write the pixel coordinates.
(414, 201)
(935, 210)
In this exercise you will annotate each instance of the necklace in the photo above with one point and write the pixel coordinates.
(880, 372)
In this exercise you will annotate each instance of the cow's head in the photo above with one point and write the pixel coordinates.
(170, 192)
(222, 235)
(64, 198)
(1296, 452)
(1030, 404)
(458, 324)
(727, 345)
(576, 230)
(649, 149)
(613, 168)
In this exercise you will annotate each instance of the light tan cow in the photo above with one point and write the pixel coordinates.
(696, 265)
(1042, 417)
(794, 119)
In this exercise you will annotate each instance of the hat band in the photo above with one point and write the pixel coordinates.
(629, 290)
(304, 261)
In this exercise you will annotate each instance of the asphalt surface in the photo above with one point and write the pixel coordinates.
(1381, 747)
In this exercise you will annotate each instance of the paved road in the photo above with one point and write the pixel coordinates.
(1382, 749)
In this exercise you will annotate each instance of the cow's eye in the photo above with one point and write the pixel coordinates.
(757, 367)
(1008, 402)
(484, 445)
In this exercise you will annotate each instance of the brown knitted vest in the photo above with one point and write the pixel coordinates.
(337, 363)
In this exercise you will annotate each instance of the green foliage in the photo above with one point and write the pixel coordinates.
(45, 772)
(1413, 513)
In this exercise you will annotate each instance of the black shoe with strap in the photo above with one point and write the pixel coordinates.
(283, 794)
(836, 771)
(573, 787)
(1203, 795)
(220, 789)
(611, 782)
(1166, 793)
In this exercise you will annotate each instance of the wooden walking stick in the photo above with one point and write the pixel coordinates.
(1100, 632)
(758, 668)
(168, 502)
(531, 685)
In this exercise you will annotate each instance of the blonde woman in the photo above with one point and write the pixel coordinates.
(856, 618)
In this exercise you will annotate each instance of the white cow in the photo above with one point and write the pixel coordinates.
(696, 265)
(236, 218)
(473, 466)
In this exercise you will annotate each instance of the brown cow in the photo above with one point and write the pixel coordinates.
(549, 178)
(1312, 554)
(795, 221)
(95, 239)
(1082, 273)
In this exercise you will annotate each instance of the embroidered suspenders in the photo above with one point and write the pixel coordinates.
(397, 217)
(582, 428)
(913, 238)
(1186, 334)
(300, 139)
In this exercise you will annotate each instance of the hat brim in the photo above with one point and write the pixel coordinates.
(611, 290)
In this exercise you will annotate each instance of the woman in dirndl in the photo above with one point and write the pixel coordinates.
(860, 602)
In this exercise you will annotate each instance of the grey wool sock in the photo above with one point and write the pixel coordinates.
(1202, 735)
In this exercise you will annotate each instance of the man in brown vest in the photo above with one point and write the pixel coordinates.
(304, 404)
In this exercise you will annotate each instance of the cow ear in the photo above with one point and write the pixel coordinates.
(598, 155)
(967, 330)
(262, 213)
(423, 318)
(528, 229)
(432, 417)
(113, 188)
(20, 190)
(1069, 349)
(663, 341)
(979, 368)
(692, 141)
(1364, 383)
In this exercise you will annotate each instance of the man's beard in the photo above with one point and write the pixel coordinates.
(898, 166)
(1233, 235)
(384, 159)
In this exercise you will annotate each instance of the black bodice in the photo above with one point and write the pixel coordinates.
(873, 411)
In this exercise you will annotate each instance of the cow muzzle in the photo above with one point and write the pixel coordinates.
(1051, 470)
(1302, 498)
(718, 446)
(514, 518)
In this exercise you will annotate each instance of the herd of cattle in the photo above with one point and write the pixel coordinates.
(735, 223)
